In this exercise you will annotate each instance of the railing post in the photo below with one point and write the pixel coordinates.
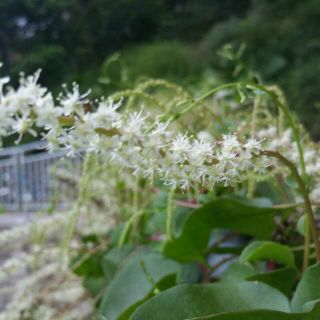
(19, 184)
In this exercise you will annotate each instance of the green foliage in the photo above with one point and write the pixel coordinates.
(238, 272)
(112, 260)
(253, 218)
(280, 37)
(282, 279)
(164, 60)
(264, 315)
(282, 45)
(132, 286)
(153, 266)
(195, 301)
(259, 250)
(308, 288)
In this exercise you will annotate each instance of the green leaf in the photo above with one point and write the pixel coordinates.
(112, 260)
(181, 215)
(281, 279)
(301, 225)
(115, 234)
(291, 182)
(156, 223)
(192, 233)
(241, 94)
(261, 250)
(238, 272)
(191, 301)
(161, 201)
(131, 287)
(95, 285)
(308, 288)
(225, 250)
(308, 306)
(265, 315)
(90, 266)
(189, 273)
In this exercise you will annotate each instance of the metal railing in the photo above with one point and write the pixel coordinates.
(26, 183)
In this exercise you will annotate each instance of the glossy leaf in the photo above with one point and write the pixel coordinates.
(308, 288)
(131, 287)
(309, 306)
(191, 301)
(189, 273)
(261, 250)
(265, 315)
(95, 285)
(281, 279)
(238, 272)
(192, 234)
(112, 260)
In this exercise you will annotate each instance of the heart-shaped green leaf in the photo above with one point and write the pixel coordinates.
(308, 288)
(131, 287)
(192, 234)
(192, 301)
(261, 250)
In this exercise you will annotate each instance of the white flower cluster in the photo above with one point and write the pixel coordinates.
(25, 295)
(178, 159)
(40, 294)
(31, 301)
(28, 273)
(52, 224)
(23, 260)
(286, 145)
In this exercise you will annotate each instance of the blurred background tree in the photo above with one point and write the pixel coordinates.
(73, 40)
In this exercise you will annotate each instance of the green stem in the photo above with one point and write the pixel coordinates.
(82, 197)
(306, 244)
(170, 214)
(306, 198)
(206, 95)
(156, 289)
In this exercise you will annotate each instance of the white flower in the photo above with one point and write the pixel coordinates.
(107, 116)
(6, 121)
(26, 96)
(253, 146)
(132, 128)
(201, 151)
(230, 143)
(73, 101)
(21, 126)
(206, 136)
(178, 159)
(47, 113)
(262, 163)
(180, 147)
